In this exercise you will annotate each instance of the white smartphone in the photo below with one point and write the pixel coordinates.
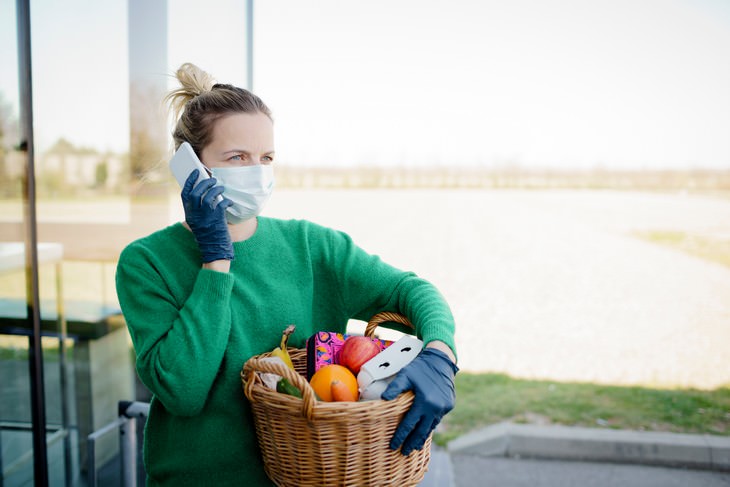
(184, 162)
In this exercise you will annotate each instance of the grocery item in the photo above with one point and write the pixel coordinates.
(340, 392)
(376, 373)
(280, 355)
(323, 379)
(356, 351)
(281, 350)
(324, 346)
(285, 387)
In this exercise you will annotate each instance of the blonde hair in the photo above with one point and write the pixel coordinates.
(200, 102)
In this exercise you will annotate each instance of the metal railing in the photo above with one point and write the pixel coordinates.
(129, 412)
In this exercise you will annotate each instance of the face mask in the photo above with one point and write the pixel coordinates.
(249, 187)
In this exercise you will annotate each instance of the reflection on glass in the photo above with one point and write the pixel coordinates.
(101, 148)
(15, 418)
(82, 117)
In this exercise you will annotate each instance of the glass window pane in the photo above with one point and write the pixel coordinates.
(16, 439)
(102, 141)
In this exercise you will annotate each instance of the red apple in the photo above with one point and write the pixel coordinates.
(356, 351)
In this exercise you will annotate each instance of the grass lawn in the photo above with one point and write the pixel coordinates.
(713, 249)
(485, 399)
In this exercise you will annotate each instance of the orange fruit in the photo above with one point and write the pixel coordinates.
(323, 379)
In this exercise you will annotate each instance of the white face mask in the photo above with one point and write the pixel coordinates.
(249, 187)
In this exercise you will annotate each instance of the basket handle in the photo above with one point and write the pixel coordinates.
(254, 365)
(385, 317)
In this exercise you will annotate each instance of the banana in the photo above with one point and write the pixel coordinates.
(281, 350)
(283, 385)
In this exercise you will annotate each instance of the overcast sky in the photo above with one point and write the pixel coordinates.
(560, 83)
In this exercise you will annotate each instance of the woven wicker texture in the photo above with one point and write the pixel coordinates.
(305, 442)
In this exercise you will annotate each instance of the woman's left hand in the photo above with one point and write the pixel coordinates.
(431, 377)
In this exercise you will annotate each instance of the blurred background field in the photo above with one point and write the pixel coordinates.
(605, 286)
(559, 284)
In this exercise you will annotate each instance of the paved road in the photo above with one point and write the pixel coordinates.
(476, 471)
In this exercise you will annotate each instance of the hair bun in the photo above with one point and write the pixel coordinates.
(198, 103)
(194, 82)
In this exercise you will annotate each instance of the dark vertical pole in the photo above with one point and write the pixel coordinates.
(35, 356)
(249, 44)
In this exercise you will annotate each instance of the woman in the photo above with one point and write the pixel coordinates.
(201, 297)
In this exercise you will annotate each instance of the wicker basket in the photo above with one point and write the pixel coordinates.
(309, 443)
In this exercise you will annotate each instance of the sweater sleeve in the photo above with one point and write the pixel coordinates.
(179, 345)
(367, 285)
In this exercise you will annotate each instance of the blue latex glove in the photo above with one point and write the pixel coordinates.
(206, 218)
(431, 377)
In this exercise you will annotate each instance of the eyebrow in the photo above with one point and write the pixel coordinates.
(245, 151)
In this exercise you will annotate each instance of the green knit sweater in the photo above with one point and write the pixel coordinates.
(193, 329)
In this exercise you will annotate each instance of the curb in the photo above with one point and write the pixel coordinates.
(600, 445)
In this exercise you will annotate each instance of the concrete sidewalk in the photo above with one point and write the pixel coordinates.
(476, 471)
(598, 445)
(509, 454)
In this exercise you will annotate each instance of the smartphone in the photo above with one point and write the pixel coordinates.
(184, 162)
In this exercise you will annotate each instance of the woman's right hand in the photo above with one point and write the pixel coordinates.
(206, 217)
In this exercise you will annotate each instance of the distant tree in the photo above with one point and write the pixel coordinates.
(8, 139)
(101, 174)
(63, 147)
(148, 134)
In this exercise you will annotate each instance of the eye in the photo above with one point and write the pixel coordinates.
(268, 159)
(236, 157)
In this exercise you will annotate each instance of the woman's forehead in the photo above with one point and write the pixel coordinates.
(245, 131)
